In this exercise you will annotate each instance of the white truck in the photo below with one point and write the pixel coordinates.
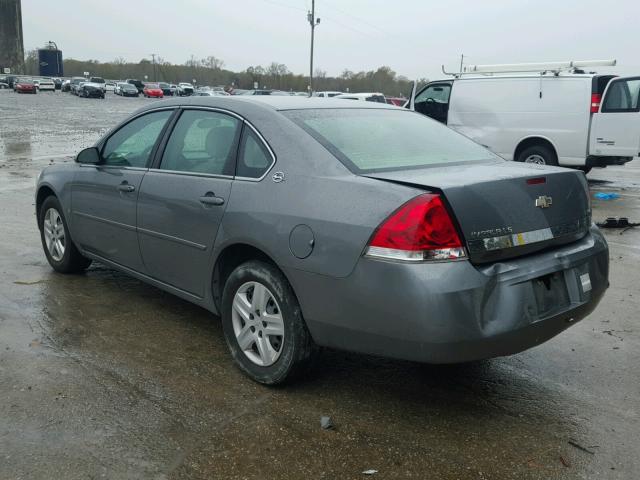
(551, 113)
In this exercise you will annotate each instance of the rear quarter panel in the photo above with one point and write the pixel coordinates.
(341, 209)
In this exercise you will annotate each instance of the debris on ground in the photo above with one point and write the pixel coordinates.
(564, 461)
(575, 444)
(326, 423)
(606, 196)
(25, 282)
(370, 472)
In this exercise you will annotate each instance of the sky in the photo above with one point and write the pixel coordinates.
(413, 37)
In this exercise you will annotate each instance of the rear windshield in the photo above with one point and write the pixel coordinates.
(372, 140)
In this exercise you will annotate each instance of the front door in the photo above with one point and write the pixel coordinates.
(103, 197)
(182, 201)
(433, 101)
(615, 129)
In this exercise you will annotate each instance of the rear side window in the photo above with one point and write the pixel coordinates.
(370, 140)
(131, 145)
(622, 96)
(202, 142)
(254, 159)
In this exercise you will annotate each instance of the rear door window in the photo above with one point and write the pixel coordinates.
(623, 95)
(202, 142)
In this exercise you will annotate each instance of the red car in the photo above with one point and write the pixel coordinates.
(152, 90)
(397, 101)
(25, 85)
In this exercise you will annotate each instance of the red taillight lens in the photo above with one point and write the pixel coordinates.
(595, 102)
(421, 229)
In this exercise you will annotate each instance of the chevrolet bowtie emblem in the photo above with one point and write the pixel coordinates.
(544, 202)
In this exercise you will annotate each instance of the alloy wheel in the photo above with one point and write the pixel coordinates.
(535, 158)
(258, 324)
(54, 235)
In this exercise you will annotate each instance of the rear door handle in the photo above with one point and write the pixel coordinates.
(210, 198)
(125, 187)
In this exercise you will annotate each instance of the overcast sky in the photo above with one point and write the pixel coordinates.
(413, 37)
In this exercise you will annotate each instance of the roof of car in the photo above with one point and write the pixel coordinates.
(280, 103)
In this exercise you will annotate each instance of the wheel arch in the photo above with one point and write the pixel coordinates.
(229, 258)
(534, 140)
(44, 191)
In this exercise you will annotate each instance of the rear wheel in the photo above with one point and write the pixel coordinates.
(62, 254)
(538, 154)
(263, 324)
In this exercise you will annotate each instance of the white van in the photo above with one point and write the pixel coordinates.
(555, 117)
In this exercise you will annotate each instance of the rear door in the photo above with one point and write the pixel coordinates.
(183, 198)
(615, 129)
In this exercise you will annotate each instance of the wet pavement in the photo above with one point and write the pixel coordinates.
(102, 376)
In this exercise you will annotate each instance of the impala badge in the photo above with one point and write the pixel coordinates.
(544, 202)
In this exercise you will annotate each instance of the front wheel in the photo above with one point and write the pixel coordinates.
(538, 154)
(62, 254)
(263, 324)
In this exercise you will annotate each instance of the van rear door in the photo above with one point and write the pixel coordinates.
(615, 128)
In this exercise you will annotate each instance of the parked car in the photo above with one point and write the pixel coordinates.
(327, 94)
(557, 117)
(137, 83)
(57, 82)
(110, 86)
(126, 90)
(167, 91)
(210, 93)
(66, 85)
(152, 90)
(101, 81)
(397, 101)
(447, 252)
(91, 90)
(11, 79)
(3, 85)
(185, 89)
(75, 83)
(24, 85)
(363, 97)
(256, 92)
(45, 84)
(238, 91)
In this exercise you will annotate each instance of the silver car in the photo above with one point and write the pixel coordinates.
(309, 223)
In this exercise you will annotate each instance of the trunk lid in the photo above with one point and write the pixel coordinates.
(507, 209)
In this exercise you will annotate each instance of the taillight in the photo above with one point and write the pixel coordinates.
(595, 102)
(421, 229)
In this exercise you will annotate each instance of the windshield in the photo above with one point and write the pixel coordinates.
(370, 140)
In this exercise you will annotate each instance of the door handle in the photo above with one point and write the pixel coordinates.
(210, 198)
(125, 187)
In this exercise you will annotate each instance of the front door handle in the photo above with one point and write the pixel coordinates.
(210, 198)
(125, 187)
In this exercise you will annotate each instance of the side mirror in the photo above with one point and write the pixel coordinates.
(89, 156)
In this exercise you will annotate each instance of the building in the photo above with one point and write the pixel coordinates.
(11, 41)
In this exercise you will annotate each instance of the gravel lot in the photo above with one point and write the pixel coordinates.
(102, 376)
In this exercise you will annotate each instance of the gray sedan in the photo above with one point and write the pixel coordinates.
(309, 223)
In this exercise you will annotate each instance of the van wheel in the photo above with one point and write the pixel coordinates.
(263, 324)
(538, 154)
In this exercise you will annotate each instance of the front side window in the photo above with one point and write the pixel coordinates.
(131, 146)
(202, 142)
(254, 159)
(370, 140)
(435, 93)
(622, 96)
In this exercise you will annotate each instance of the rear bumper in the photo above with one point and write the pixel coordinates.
(455, 311)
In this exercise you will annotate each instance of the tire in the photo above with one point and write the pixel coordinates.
(71, 260)
(539, 154)
(287, 355)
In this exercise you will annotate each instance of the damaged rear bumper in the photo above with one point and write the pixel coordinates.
(455, 311)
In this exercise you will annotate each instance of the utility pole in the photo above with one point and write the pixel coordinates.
(461, 60)
(314, 22)
(153, 56)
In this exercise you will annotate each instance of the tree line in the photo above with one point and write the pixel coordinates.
(211, 71)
